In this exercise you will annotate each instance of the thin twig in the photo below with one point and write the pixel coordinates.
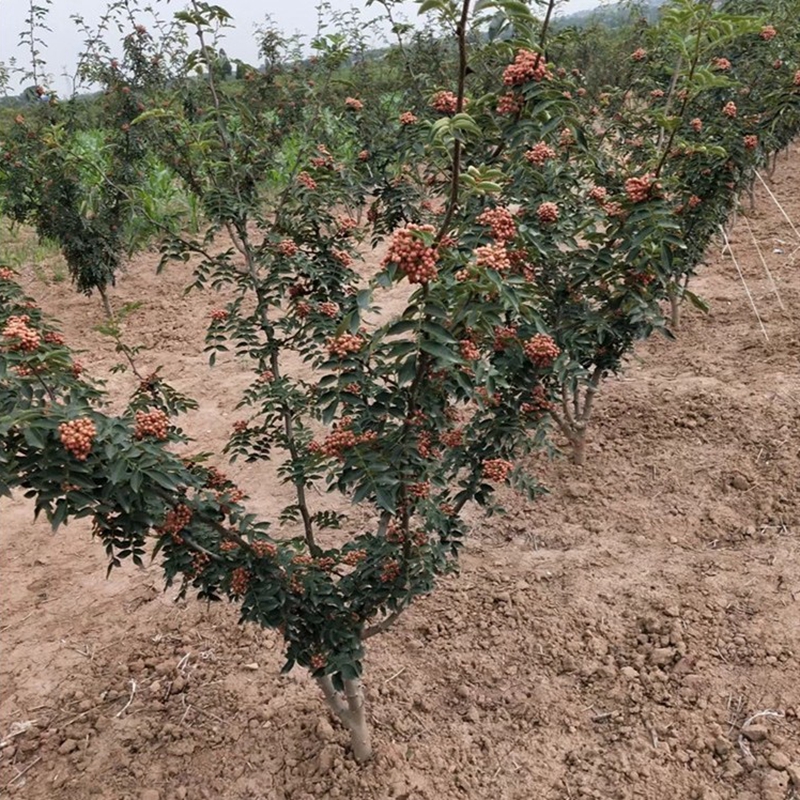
(777, 203)
(744, 283)
(743, 745)
(383, 625)
(12, 624)
(764, 264)
(130, 699)
(461, 35)
(396, 675)
(19, 775)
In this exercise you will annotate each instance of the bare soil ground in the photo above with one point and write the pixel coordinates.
(635, 634)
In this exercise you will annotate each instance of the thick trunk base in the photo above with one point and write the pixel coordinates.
(350, 708)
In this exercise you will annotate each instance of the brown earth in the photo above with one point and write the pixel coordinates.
(635, 634)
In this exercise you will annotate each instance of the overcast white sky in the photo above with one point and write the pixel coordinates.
(64, 42)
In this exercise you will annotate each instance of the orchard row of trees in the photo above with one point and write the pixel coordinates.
(545, 218)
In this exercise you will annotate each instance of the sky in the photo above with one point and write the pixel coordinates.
(63, 42)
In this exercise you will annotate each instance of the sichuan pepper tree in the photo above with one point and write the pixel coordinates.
(402, 417)
(69, 172)
(530, 268)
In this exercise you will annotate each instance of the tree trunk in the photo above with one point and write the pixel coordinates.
(674, 309)
(578, 444)
(350, 708)
(106, 303)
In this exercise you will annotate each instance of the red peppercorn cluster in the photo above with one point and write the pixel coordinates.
(539, 154)
(657, 94)
(318, 661)
(175, 521)
(240, 426)
(54, 338)
(408, 118)
(420, 538)
(27, 338)
(640, 278)
(722, 64)
(504, 335)
(413, 257)
(751, 142)
(354, 557)
(454, 438)
(598, 193)
(24, 371)
(496, 469)
(199, 562)
(77, 436)
(768, 32)
(538, 405)
(696, 125)
(363, 155)
(327, 156)
(694, 201)
(354, 104)
(419, 490)
(153, 423)
(390, 571)
(639, 189)
(492, 400)
(216, 478)
(468, 350)
(500, 221)
(445, 103)
(6, 274)
(640, 54)
(528, 66)
(306, 180)
(219, 315)
(266, 376)
(231, 495)
(229, 546)
(730, 110)
(240, 580)
(424, 444)
(394, 533)
(342, 256)
(344, 343)
(509, 103)
(542, 350)
(566, 138)
(264, 549)
(287, 248)
(547, 213)
(329, 309)
(343, 439)
(302, 309)
(493, 256)
(345, 225)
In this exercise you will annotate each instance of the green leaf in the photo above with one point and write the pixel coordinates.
(439, 351)
(696, 301)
